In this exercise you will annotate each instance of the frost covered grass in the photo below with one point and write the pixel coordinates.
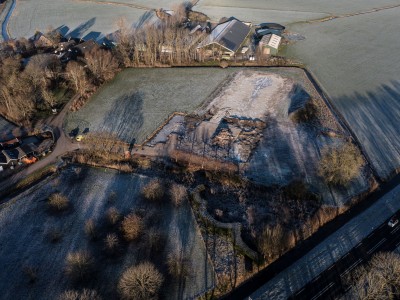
(137, 101)
(360, 74)
(78, 18)
(285, 11)
(48, 243)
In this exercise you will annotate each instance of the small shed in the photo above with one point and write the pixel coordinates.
(270, 43)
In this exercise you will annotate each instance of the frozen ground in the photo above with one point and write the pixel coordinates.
(137, 101)
(361, 76)
(25, 223)
(331, 249)
(285, 11)
(77, 18)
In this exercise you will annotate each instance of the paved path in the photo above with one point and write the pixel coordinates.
(330, 250)
(8, 10)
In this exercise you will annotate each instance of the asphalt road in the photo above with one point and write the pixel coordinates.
(332, 282)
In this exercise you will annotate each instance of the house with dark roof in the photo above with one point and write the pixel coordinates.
(226, 38)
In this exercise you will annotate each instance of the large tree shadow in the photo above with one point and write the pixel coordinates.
(125, 118)
(82, 28)
(374, 118)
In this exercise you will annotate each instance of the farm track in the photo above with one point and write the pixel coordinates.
(4, 25)
(354, 14)
(118, 4)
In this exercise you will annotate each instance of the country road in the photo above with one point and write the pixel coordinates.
(363, 227)
(8, 10)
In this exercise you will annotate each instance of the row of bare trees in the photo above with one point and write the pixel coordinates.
(167, 42)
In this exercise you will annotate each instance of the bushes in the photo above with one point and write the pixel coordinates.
(140, 282)
(112, 216)
(131, 227)
(177, 264)
(154, 190)
(111, 243)
(58, 202)
(85, 294)
(339, 166)
(273, 241)
(79, 265)
(178, 194)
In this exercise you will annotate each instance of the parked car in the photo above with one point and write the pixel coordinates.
(393, 222)
(79, 137)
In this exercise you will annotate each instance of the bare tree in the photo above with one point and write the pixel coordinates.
(102, 65)
(341, 165)
(379, 279)
(76, 76)
(140, 282)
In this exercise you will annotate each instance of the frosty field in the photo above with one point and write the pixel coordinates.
(286, 11)
(6, 129)
(137, 101)
(26, 225)
(80, 18)
(360, 74)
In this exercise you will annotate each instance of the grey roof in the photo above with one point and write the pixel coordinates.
(230, 35)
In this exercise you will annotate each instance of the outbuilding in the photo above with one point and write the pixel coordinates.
(269, 44)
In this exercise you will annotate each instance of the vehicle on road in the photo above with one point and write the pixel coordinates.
(393, 222)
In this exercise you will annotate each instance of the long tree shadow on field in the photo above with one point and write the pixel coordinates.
(143, 19)
(374, 119)
(125, 118)
(82, 28)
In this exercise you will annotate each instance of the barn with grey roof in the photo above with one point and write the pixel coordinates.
(227, 37)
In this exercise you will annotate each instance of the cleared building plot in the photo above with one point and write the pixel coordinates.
(35, 241)
(361, 76)
(137, 101)
(253, 122)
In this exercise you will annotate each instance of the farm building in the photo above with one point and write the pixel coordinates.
(226, 38)
(269, 44)
(269, 28)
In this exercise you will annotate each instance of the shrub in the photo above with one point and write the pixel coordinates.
(85, 294)
(307, 114)
(140, 282)
(58, 202)
(131, 227)
(113, 216)
(111, 243)
(178, 194)
(79, 265)
(90, 229)
(224, 64)
(155, 240)
(154, 190)
(272, 242)
(177, 265)
(339, 166)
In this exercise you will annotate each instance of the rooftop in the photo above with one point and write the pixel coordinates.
(230, 35)
(271, 40)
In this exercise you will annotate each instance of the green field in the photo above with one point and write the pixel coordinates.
(137, 101)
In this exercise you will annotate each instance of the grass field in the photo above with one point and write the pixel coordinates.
(27, 223)
(79, 18)
(285, 11)
(137, 101)
(361, 76)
